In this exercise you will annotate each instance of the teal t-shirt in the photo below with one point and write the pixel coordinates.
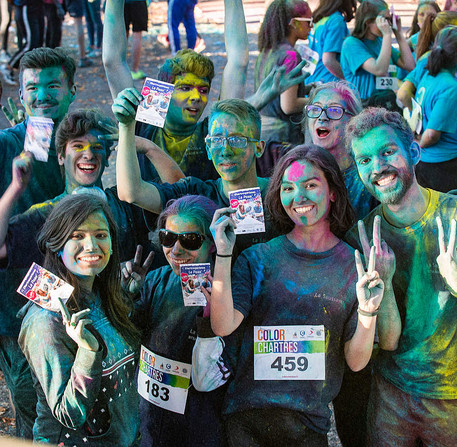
(327, 37)
(420, 69)
(438, 97)
(354, 54)
(425, 362)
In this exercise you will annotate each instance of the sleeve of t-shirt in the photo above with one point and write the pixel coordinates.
(242, 288)
(335, 34)
(442, 117)
(291, 60)
(356, 53)
(417, 74)
(170, 191)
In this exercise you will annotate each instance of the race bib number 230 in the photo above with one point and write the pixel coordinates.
(289, 352)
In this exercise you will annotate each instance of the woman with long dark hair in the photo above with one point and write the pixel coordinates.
(84, 368)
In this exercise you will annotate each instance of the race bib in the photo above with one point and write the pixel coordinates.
(389, 82)
(289, 352)
(163, 382)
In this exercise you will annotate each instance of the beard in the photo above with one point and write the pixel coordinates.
(394, 195)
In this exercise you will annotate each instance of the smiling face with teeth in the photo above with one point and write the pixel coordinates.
(305, 195)
(178, 255)
(385, 167)
(87, 252)
(84, 161)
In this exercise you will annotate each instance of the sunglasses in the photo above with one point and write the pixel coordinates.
(332, 112)
(188, 241)
(302, 19)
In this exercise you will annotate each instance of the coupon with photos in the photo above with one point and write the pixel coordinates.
(156, 100)
(310, 56)
(193, 278)
(38, 137)
(249, 216)
(44, 288)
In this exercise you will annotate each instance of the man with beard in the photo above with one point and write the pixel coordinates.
(414, 390)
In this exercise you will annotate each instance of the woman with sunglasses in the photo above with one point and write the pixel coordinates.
(325, 118)
(285, 22)
(84, 368)
(368, 58)
(169, 328)
(327, 36)
(306, 308)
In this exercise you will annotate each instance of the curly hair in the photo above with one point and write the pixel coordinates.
(341, 216)
(373, 117)
(275, 26)
(71, 212)
(186, 61)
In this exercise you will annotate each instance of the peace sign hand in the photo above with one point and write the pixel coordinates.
(446, 259)
(75, 326)
(134, 273)
(369, 287)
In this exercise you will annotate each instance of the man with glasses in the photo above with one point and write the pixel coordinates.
(233, 145)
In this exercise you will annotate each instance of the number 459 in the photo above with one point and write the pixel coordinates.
(290, 363)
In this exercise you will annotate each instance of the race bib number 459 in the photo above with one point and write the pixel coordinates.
(163, 382)
(289, 352)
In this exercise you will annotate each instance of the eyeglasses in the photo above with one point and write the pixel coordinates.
(303, 19)
(332, 112)
(188, 241)
(235, 141)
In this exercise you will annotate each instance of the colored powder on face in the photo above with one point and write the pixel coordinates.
(296, 170)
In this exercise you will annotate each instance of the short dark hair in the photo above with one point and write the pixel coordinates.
(40, 58)
(79, 123)
(373, 117)
(341, 215)
(186, 61)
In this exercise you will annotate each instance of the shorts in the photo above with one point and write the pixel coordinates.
(136, 13)
(75, 8)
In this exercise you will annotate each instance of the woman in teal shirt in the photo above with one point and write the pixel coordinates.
(369, 54)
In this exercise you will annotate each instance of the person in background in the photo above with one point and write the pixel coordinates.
(326, 38)
(76, 10)
(136, 14)
(54, 13)
(94, 27)
(284, 23)
(423, 10)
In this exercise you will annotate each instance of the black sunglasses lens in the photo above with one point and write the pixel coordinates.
(191, 241)
(167, 238)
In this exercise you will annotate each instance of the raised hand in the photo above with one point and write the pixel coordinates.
(222, 228)
(112, 132)
(22, 171)
(207, 292)
(13, 114)
(383, 25)
(369, 287)
(134, 273)
(125, 105)
(446, 259)
(75, 325)
(385, 257)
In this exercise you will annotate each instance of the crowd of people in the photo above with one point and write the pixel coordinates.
(347, 298)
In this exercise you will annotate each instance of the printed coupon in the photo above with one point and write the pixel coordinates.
(310, 56)
(249, 217)
(193, 277)
(38, 137)
(289, 352)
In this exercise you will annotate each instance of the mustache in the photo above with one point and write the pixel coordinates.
(376, 177)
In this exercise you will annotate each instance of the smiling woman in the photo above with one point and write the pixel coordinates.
(79, 399)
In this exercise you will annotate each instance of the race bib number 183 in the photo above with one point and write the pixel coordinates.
(289, 352)
(163, 382)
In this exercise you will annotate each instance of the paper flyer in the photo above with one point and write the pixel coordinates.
(38, 137)
(310, 56)
(43, 288)
(249, 216)
(193, 277)
(414, 118)
(154, 107)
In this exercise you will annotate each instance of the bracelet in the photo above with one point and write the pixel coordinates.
(224, 256)
(367, 314)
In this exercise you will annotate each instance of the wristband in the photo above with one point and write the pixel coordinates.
(224, 256)
(367, 314)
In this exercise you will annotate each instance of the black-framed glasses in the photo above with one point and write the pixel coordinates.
(188, 241)
(235, 141)
(332, 112)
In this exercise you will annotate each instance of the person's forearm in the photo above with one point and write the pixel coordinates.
(389, 321)
(333, 66)
(166, 167)
(380, 66)
(7, 201)
(405, 94)
(115, 48)
(406, 60)
(222, 311)
(236, 45)
(358, 350)
(429, 138)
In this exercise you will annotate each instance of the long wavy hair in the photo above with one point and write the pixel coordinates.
(341, 215)
(71, 212)
(366, 13)
(415, 25)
